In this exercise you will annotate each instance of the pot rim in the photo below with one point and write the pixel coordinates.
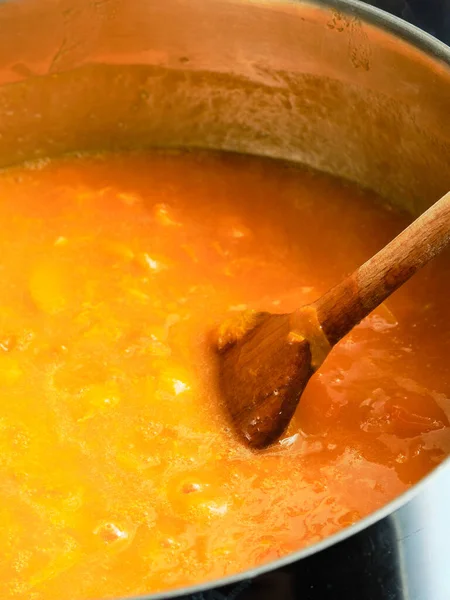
(438, 50)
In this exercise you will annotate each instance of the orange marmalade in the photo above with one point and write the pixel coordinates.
(119, 472)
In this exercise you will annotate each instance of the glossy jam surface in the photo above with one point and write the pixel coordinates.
(119, 474)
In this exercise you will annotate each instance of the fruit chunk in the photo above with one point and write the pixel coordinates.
(49, 287)
(10, 370)
(98, 398)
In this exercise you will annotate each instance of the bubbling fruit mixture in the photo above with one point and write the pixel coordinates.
(119, 472)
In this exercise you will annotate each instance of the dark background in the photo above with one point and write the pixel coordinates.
(431, 15)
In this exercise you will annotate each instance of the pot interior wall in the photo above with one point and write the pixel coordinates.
(290, 80)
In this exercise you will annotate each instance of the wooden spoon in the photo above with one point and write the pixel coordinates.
(266, 360)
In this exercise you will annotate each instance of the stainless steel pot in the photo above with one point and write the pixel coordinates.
(335, 84)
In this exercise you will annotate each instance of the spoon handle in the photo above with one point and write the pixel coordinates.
(346, 304)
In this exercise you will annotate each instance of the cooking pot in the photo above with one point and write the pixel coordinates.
(335, 84)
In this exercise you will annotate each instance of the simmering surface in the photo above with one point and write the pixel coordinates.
(119, 474)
